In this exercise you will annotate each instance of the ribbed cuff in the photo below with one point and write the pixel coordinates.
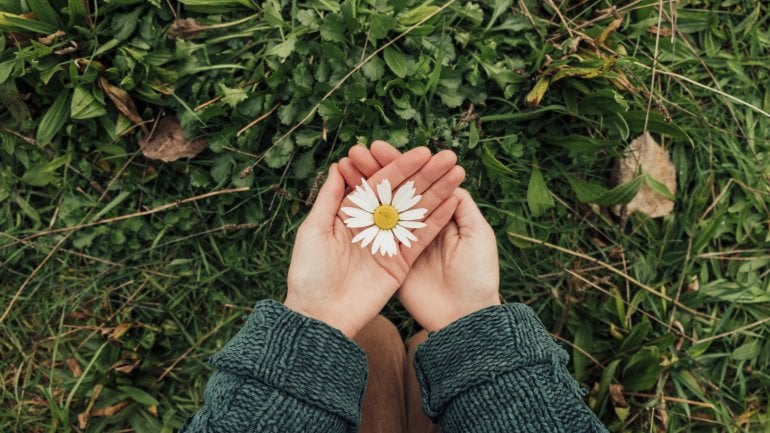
(477, 349)
(303, 357)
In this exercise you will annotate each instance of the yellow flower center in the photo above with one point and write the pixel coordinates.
(385, 217)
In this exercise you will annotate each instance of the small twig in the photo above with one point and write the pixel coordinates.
(561, 17)
(611, 269)
(138, 214)
(654, 65)
(734, 331)
(257, 120)
(672, 399)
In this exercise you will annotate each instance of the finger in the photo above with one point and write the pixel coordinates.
(442, 189)
(383, 152)
(402, 168)
(434, 225)
(468, 216)
(324, 211)
(362, 158)
(349, 171)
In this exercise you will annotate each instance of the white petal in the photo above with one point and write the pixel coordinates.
(406, 204)
(359, 201)
(384, 191)
(370, 196)
(406, 192)
(377, 241)
(356, 212)
(367, 236)
(388, 245)
(403, 235)
(412, 224)
(355, 223)
(410, 215)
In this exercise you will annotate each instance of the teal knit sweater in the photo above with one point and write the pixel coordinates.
(496, 370)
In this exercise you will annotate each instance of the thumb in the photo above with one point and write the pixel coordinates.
(328, 201)
(467, 215)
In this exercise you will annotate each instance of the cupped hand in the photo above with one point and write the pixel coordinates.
(342, 284)
(458, 273)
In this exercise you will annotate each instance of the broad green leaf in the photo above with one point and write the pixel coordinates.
(53, 119)
(604, 383)
(637, 335)
(374, 69)
(582, 341)
(44, 173)
(395, 61)
(333, 28)
(285, 48)
(655, 123)
(747, 351)
(17, 23)
(27, 209)
(77, 12)
(280, 153)
(217, 6)
(473, 135)
(417, 14)
(591, 193)
(84, 105)
(232, 97)
(642, 369)
(45, 13)
(139, 395)
(659, 187)
(380, 25)
(538, 197)
(493, 164)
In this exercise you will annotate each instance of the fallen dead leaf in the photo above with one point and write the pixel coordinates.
(116, 332)
(646, 155)
(168, 143)
(123, 102)
(184, 27)
(125, 367)
(662, 31)
(110, 410)
(50, 39)
(616, 394)
(74, 367)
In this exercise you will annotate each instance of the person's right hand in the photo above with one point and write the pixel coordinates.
(458, 273)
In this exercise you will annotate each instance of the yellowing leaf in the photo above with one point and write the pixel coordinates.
(536, 94)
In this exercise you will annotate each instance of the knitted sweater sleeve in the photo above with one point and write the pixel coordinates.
(496, 371)
(283, 372)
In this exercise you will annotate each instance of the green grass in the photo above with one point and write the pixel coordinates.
(112, 302)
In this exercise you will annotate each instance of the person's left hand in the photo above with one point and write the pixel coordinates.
(344, 285)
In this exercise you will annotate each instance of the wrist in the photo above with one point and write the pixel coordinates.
(330, 319)
(463, 311)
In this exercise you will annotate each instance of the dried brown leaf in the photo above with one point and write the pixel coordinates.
(110, 410)
(184, 27)
(125, 367)
(168, 143)
(116, 332)
(50, 39)
(616, 394)
(646, 155)
(74, 367)
(122, 101)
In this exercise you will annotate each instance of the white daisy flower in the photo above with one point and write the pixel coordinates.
(386, 218)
